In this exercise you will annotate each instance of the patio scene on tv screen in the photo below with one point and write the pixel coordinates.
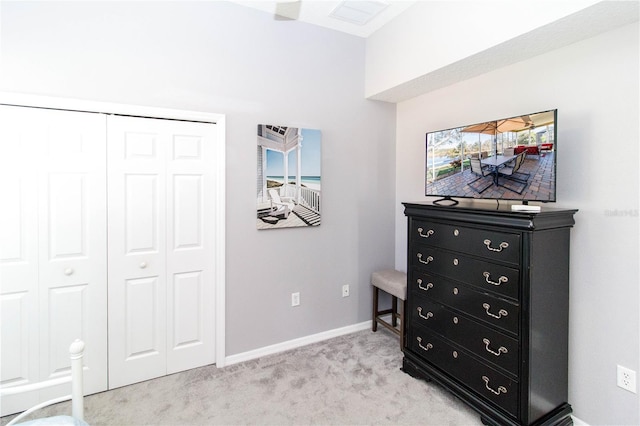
(512, 158)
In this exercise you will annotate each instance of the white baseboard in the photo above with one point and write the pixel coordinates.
(295, 343)
(578, 422)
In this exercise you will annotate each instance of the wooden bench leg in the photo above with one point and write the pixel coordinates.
(374, 322)
(394, 311)
(402, 322)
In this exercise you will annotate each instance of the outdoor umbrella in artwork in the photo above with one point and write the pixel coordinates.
(514, 124)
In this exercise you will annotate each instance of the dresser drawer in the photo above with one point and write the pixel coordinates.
(490, 384)
(494, 245)
(483, 306)
(486, 275)
(483, 341)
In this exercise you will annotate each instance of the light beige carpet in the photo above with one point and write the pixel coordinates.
(349, 380)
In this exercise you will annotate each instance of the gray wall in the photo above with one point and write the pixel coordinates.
(222, 58)
(595, 87)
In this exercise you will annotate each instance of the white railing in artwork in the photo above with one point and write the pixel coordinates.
(308, 197)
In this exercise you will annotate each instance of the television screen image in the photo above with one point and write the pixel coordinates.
(511, 158)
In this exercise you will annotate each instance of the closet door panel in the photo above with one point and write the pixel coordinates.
(188, 212)
(161, 258)
(137, 251)
(14, 314)
(67, 316)
(53, 233)
(190, 253)
(18, 227)
(18, 272)
(20, 160)
(141, 316)
(187, 314)
(72, 253)
(19, 354)
(141, 215)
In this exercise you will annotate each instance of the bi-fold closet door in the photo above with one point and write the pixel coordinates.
(99, 208)
(53, 249)
(161, 247)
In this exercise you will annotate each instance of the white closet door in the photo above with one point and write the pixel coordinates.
(161, 288)
(18, 257)
(73, 250)
(53, 250)
(190, 246)
(137, 223)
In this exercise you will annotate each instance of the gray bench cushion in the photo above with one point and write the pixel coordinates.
(392, 281)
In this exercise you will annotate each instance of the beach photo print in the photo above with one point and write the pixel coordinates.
(288, 184)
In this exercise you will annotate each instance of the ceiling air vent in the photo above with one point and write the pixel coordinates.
(358, 12)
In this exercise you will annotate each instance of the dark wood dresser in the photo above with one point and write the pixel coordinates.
(488, 308)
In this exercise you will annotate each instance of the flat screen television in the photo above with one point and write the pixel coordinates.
(506, 159)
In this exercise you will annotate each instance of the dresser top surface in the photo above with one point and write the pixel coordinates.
(498, 214)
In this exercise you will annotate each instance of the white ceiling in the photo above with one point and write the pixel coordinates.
(601, 17)
(318, 12)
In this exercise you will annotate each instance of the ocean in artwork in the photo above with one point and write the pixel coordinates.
(312, 182)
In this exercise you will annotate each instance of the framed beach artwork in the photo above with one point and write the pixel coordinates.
(288, 184)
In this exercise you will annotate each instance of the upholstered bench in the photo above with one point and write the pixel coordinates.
(395, 284)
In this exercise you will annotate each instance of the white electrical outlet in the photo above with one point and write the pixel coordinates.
(626, 379)
(345, 290)
(295, 299)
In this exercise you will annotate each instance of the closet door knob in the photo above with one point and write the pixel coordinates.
(143, 265)
(68, 271)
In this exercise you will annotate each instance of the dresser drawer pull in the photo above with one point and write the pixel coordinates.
(501, 349)
(503, 245)
(423, 287)
(501, 389)
(426, 262)
(429, 314)
(501, 280)
(501, 312)
(426, 234)
(426, 348)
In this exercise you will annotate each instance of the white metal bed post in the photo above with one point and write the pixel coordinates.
(76, 352)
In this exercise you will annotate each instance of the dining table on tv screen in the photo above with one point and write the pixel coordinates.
(495, 162)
